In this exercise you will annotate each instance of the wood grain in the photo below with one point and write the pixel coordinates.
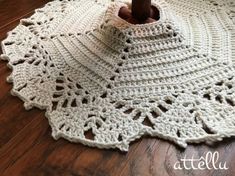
(27, 148)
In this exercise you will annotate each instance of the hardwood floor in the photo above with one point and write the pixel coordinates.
(27, 148)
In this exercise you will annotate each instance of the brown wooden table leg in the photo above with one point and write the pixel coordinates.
(141, 9)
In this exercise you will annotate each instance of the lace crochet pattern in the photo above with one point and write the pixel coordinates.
(105, 83)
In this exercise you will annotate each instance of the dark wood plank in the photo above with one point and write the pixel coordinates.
(13, 116)
(10, 17)
(32, 162)
(15, 148)
(12, 10)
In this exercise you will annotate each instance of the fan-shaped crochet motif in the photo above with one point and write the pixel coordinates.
(105, 82)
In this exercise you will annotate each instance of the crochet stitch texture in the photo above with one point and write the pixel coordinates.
(95, 73)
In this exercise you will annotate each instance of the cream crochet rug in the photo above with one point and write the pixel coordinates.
(104, 82)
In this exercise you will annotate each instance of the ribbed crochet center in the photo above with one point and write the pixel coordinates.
(105, 82)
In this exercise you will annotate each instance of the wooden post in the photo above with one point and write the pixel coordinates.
(141, 9)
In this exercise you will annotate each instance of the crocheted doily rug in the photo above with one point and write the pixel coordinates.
(104, 82)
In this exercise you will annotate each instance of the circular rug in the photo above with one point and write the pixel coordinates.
(105, 82)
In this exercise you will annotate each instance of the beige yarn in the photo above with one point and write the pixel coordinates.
(93, 72)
